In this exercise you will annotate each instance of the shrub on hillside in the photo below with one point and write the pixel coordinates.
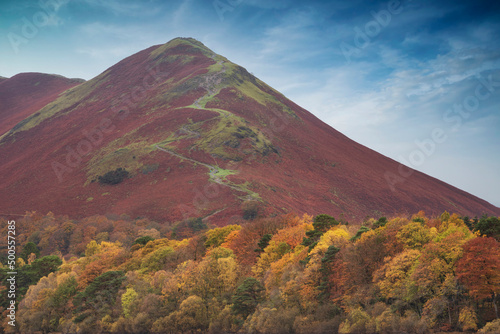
(250, 210)
(114, 176)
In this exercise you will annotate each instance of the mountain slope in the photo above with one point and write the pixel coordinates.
(26, 93)
(198, 136)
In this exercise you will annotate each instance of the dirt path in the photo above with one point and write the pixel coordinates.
(213, 214)
(188, 131)
(186, 158)
(212, 170)
(211, 83)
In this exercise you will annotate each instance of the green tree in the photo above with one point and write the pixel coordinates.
(196, 224)
(248, 295)
(30, 274)
(358, 234)
(321, 224)
(325, 271)
(382, 221)
(324, 222)
(143, 240)
(44, 266)
(489, 226)
(29, 248)
(99, 296)
(263, 242)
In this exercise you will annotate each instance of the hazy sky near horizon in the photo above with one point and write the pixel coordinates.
(390, 75)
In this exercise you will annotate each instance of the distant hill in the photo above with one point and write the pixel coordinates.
(26, 93)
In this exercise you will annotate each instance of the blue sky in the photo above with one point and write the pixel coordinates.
(388, 74)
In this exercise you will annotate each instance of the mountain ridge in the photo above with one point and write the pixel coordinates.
(181, 97)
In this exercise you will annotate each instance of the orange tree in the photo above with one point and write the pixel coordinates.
(479, 269)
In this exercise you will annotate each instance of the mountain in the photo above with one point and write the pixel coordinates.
(177, 131)
(26, 93)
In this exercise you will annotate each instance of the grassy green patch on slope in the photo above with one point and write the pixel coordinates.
(116, 155)
(227, 134)
(223, 173)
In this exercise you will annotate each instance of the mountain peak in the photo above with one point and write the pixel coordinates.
(187, 40)
(185, 45)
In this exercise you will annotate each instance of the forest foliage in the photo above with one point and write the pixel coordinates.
(286, 274)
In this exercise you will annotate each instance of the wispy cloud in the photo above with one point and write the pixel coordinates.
(105, 53)
(179, 14)
(127, 7)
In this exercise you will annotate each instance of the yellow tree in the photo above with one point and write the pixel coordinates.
(393, 277)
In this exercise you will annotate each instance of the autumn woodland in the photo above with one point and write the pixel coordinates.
(282, 274)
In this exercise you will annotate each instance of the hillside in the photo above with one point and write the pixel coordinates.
(26, 93)
(183, 132)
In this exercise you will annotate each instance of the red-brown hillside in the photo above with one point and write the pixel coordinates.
(199, 135)
(26, 93)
